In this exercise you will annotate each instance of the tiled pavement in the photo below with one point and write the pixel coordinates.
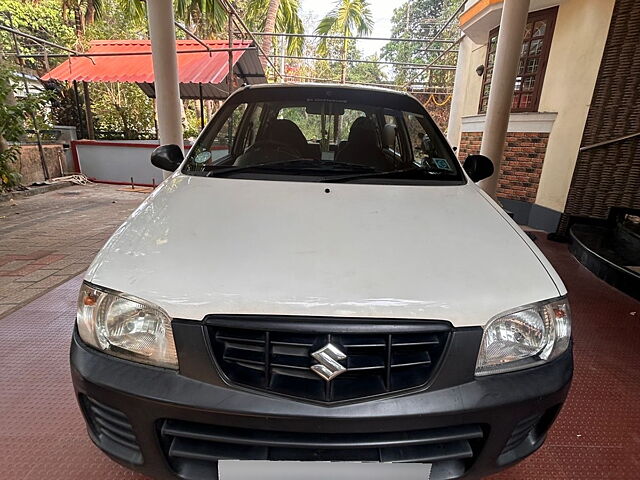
(41, 431)
(49, 238)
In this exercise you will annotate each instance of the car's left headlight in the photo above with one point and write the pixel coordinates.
(125, 327)
(525, 337)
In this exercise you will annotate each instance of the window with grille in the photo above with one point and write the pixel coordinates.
(533, 62)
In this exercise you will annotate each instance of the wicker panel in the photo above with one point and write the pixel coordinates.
(609, 176)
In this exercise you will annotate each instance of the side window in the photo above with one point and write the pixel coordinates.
(213, 147)
(420, 142)
(396, 143)
(223, 142)
(426, 147)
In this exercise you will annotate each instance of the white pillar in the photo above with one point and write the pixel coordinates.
(512, 25)
(459, 92)
(165, 71)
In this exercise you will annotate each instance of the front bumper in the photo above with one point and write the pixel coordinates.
(134, 413)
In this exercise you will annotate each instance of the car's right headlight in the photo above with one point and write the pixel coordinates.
(125, 326)
(526, 337)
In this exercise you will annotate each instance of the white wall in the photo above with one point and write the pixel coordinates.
(118, 161)
(574, 60)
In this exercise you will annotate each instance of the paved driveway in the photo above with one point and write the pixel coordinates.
(49, 238)
(42, 435)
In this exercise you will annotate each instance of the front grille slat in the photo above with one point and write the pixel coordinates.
(112, 430)
(262, 355)
(428, 453)
(108, 417)
(296, 372)
(125, 435)
(269, 438)
(521, 431)
(186, 442)
(192, 450)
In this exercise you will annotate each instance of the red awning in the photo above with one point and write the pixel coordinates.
(131, 62)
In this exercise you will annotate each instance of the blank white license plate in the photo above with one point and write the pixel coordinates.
(265, 470)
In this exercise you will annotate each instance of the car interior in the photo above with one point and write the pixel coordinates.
(365, 137)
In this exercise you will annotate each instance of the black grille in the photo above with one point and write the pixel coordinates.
(111, 430)
(193, 449)
(381, 359)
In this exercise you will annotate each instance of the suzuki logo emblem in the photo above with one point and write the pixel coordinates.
(328, 358)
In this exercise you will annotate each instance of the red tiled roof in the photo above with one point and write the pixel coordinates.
(197, 67)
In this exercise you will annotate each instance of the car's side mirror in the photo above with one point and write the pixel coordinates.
(167, 157)
(478, 167)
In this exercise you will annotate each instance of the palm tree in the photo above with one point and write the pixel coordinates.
(203, 17)
(85, 12)
(260, 16)
(93, 11)
(206, 17)
(347, 18)
(270, 24)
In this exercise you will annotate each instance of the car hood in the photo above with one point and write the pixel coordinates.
(200, 246)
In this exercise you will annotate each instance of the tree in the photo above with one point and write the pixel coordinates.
(366, 72)
(85, 12)
(120, 107)
(418, 19)
(270, 24)
(41, 19)
(203, 17)
(93, 10)
(348, 18)
(287, 19)
(13, 118)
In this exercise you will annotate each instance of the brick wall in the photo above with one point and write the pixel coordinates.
(521, 166)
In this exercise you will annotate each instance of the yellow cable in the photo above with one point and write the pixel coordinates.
(446, 100)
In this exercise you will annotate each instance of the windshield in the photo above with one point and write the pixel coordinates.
(324, 139)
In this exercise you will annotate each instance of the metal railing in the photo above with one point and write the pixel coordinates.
(609, 142)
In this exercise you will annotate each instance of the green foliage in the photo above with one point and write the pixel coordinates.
(366, 72)
(348, 18)
(39, 18)
(63, 106)
(418, 19)
(122, 107)
(203, 17)
(116, 23)
(287, 20)
(13, 117)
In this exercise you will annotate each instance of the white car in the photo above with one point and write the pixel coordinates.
(320, 280)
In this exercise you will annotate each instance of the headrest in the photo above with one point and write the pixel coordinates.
(389, 135)
(363, 130)
(286, 131)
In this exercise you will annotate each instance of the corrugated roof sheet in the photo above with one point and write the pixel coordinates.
(198, 67)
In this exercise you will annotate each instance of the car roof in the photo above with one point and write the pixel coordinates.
(325, 86)
(280, 91)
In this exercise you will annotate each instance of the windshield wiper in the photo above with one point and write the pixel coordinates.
(425, 174)
(294, 166)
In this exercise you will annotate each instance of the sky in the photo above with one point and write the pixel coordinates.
(382, 11)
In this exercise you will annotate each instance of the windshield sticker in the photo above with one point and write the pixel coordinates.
(442, 164)
(202, 157)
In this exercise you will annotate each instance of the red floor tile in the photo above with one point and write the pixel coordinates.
(597, 435)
